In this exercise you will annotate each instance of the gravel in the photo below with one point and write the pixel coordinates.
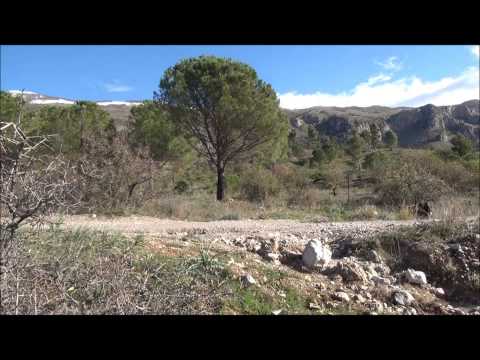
(302, 231)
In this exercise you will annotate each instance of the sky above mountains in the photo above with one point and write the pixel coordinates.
(303, 76)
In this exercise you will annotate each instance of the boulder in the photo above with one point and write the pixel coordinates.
(402, 297)
(316, 253)
(416, 277)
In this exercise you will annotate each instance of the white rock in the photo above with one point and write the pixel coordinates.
(316, 253)
(416, 277)
(342, 296)
(94, 216)
(276, 312)
(439, 292)
(248, 280)
(314, 306)
(403, 297)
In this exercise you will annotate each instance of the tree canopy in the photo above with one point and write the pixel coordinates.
(223, 108)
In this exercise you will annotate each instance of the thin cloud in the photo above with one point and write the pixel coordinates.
(378, 79)
(391, 64)
(475, 49)
(116, 87)
(382, 90)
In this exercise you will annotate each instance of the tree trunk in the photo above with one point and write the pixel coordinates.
(220, 184)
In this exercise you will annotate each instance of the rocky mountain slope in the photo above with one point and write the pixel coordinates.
(414, 126)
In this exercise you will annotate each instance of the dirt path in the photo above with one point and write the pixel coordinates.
(159, 227)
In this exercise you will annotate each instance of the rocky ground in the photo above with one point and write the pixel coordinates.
(331, 263)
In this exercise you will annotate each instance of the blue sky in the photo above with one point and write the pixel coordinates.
(302, 76)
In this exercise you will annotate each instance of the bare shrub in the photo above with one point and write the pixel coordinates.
(453, 208)
(115, 176)
(365, 212)
(410, 185)
(32, 186)
(310, 198)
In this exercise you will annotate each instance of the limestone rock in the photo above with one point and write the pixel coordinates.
(416, 277)
(402, 297)
(315, 253)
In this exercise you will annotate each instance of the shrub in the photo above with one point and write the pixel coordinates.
(366, 212)
(405, 213)
(407, 189)
(233, 183)
(181, 187)
(305, 198)
(257, 185)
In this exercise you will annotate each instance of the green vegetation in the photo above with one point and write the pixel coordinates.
(391, 139)
(86, 272)
(220, 108)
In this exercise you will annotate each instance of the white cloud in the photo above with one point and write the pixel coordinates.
(392, 64)
(382, 90)
(378, 79)
(475, 49)
(117, 87)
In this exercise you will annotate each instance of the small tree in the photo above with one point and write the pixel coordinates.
(355, 147)
(391, 139)
(375, 136)
(223, 108)
(312, 135)
(461, 145)
(73, 127)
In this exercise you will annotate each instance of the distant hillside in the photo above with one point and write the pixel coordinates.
(118, 110)
(414, 126)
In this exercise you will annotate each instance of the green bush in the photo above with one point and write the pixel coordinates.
(181, 187)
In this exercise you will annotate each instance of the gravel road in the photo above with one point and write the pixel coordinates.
(155, 226)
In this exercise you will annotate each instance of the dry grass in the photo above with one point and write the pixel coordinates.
(405, 213)
(455, 208)
(366, 212)
(83, 272)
